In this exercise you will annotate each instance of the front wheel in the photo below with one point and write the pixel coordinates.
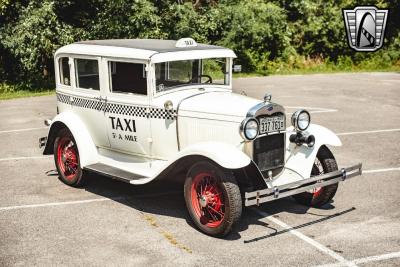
(212, 198)
(324, 163)
(66, 157)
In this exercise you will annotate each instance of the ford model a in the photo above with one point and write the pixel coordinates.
(140, 110)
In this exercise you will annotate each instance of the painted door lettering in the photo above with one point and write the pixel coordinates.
(126, 125)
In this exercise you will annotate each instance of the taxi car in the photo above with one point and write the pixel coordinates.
(143, 110)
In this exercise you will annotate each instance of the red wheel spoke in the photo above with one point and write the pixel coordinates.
(221, 214)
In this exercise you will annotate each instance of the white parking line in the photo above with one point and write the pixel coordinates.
(314, 109)
(306, 239)
(25, 158)
(382, 170)
(55, 204)
(85, 201)
(373, 131)
(23, 130)
(388, 256)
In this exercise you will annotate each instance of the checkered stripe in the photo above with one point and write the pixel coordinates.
(63, 98)
(134, 111)
(87, 103)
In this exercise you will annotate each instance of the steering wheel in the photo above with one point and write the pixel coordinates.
(200, 76)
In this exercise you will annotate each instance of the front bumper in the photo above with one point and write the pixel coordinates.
(277, 192)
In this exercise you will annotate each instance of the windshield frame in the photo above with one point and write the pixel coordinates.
(182, 87)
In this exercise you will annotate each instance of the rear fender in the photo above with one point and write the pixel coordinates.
(87, 150)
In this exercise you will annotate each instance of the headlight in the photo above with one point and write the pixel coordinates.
(249, 129)
(301, 120)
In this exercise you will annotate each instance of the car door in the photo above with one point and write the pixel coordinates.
(127, 109)
(88, 97)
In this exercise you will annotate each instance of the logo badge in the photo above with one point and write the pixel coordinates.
(365, 26)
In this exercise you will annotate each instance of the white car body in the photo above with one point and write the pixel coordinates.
(204, 120)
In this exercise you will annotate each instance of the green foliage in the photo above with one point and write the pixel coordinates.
(256, 31)
(278, 36)
(32, 40)
(125, 19)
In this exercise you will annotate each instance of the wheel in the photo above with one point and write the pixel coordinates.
(66, 157)
(324, 163)
(212, 198)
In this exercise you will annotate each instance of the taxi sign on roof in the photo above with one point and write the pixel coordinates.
(185, 42)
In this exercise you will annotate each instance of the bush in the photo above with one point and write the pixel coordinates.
(33, 39)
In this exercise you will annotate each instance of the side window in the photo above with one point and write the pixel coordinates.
(127, 77)
(87, 74)
(64, 71)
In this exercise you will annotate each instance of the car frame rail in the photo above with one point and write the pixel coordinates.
(277, 192)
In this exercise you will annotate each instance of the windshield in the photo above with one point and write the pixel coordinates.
(174, 74)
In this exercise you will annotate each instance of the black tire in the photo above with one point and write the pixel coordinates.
(213, 219)
(66, 158)
(326, 193)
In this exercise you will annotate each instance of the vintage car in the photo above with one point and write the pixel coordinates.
(144, 110)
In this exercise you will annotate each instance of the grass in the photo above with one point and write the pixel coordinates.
(23, 93)
(11, 91)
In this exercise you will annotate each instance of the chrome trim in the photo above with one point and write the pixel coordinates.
(277, 192)
(263, 109)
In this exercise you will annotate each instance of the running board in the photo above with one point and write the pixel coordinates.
(277, 192)
(113, 173)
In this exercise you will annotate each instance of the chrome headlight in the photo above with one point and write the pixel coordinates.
(249, 129)
(301, 120)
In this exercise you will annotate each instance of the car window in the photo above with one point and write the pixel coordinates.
(174, 74)
(127, 78)
(87, 74)
(64, 71)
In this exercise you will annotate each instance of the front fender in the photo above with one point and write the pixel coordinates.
(87, 150)
(300, 159)
(227, 156)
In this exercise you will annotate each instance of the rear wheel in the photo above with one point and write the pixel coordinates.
(213, 198)
(324, 163)
(66, 157)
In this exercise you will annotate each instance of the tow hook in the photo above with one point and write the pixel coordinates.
(300, 138)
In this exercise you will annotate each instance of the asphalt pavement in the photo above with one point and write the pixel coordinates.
(44, 222)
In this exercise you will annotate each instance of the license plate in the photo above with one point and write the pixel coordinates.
(272, 124)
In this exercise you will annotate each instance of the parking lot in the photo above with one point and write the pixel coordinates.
(44, 222)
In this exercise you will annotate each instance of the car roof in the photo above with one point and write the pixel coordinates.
(146, 49)
(160, 46)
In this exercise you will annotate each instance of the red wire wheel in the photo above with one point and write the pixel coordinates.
(66, 157)
(318, 197)
(213, 198)
(208, 199)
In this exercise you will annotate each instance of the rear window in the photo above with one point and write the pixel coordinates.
(64, 71)
(87, 74)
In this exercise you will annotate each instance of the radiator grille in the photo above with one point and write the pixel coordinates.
(269, 151)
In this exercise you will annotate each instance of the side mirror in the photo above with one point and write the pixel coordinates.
(237, 68)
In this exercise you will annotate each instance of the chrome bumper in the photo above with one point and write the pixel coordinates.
(277, 192)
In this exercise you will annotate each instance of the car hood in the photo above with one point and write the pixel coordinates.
(217, 105)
